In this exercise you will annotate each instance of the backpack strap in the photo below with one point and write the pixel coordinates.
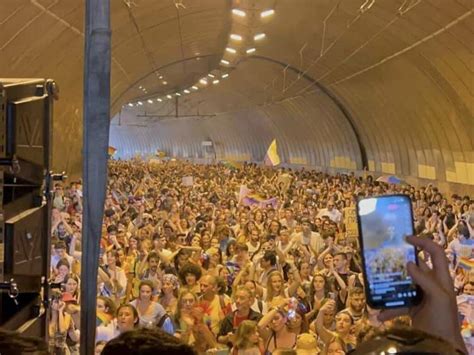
(162, 320)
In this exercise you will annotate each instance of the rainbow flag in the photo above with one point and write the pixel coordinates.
(103, 318)
(272, 158)
(255, 199)
(466, 263)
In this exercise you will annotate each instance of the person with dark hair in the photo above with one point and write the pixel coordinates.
(127, 318)
(268, 263)
(308, 239)
(113, 277)
(356, 304)
(189, 276)
(244, 299)
(146, 342)
(107, 323)
(151, 313)
(60, 252)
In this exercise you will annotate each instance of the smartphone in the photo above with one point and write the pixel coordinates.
(384, 222)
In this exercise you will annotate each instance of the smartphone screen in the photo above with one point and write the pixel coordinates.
(384, 222)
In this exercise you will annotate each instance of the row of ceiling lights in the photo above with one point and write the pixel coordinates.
(236, 38)
(211, 77)
(263, 14)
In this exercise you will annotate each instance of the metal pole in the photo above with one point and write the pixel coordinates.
(95, 143)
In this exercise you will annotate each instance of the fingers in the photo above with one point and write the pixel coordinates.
(422, 278)
(388, 314)
(438, 256)
(422, 265)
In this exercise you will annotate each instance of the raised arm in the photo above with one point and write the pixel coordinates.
(325, 334)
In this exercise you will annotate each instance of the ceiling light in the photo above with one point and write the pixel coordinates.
(267, 13)
(169, 96)
(203, 81)
(150, 101)
(165, 82)
(140, 103)
(231, 50)
(211, 75)
(259, 36)
(225, 62)
(236, 37)
(250, 50)
(195, 87)
(160, 77)
(140, 87)
(130, 104)
(225, 76)
(186, 91)
(215, 82)
(178, 94)
(159, 100)
(239, 12)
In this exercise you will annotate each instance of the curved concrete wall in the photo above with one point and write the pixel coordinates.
(309, 130)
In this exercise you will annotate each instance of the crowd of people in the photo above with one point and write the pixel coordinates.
(244, 260)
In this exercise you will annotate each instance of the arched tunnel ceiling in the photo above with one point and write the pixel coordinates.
(339, 83)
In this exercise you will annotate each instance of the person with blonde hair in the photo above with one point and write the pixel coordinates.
(247, 340)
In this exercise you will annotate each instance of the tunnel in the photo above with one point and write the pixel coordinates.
(384, 86)
(378, 88)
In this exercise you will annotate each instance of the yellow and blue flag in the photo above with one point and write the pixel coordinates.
(272, 158)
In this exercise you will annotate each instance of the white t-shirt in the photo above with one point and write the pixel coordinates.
(107, 332)
(314, 240)
(333, 215)
(55, 259)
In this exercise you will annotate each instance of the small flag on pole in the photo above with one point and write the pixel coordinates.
(111, 150)
(272, 158)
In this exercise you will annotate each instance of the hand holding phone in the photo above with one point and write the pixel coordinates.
(437, 314)
(384, 223)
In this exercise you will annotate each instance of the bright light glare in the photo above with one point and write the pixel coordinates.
(231, 50)
(225, 62)
(159, 100)
(250, 50)
(186, 91)
(267, 13)
(203, 81)
(239, 12)
(195, 87)
(215, 82)
(165, 82)
(259, 36)
(225, 76)
(236, 37)
(130, 104)
(211, 75)
(178, 94)
(169, 96)
(140, 103)
(367, 206)
(150, 101)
